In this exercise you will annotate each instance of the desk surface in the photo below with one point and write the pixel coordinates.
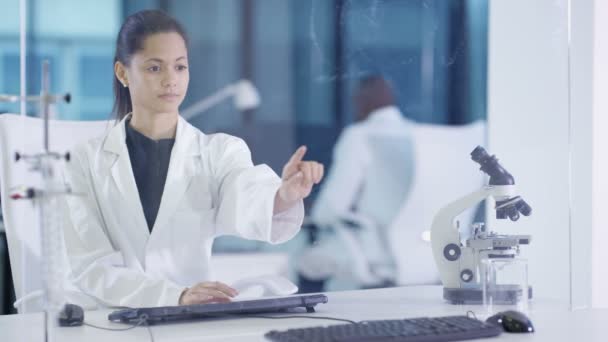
(553, 321)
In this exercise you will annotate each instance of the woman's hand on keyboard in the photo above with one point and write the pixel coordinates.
(207, 292)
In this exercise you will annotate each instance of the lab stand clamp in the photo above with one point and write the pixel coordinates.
(462, 265)
(45, 197)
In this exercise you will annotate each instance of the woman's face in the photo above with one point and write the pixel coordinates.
(158, 75)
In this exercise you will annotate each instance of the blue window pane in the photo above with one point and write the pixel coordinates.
(10, 70)
(11, 76)
(96, 75)
(34, 73)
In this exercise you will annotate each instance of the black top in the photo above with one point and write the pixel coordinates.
(150, 164)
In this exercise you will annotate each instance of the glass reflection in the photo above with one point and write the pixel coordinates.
(307, 61)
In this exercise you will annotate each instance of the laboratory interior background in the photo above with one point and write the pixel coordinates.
(464, 73)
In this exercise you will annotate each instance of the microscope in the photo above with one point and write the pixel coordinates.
(460, 264)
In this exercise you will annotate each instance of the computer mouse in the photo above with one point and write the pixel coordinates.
(512, 321)
(264, 286)
(71, 315)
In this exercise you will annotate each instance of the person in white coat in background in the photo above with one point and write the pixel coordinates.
(367, 184)
(157, 191)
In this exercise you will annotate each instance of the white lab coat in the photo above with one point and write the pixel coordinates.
(361, 178)
(212, 188)
(368, 183)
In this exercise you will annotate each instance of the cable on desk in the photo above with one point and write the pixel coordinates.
(149, 331)
(245, 315)
(112, 329)
(311, 317)
(142, 322)
(469, 314)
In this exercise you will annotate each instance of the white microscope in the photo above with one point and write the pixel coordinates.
(460, 265)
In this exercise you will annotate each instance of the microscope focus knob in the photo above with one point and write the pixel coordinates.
(452, 252)
(466, 275)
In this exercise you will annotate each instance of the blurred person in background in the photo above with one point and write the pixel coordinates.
(367, 184)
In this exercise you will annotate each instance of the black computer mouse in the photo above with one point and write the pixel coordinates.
(71, 315)
(512, 321)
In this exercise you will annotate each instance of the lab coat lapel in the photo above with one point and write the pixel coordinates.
(123, 177)
(181, 169)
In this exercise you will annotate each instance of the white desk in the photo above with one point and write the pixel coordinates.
(553, 321)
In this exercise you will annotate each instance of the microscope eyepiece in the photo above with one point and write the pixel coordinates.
(479, 154)
(491, 167)
(507, 208)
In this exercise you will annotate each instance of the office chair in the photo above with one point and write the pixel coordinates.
(442, 173)
(391, 246)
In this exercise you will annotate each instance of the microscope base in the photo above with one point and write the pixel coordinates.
(502, 295)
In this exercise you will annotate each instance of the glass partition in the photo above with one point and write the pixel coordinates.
(390, 96)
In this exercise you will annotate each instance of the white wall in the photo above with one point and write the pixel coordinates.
(600, 156)
(589, 88)
(528, 126)
(581, 71)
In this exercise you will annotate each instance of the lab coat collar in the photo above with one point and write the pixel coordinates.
(388, 113)
(122, 174)
(181, 170)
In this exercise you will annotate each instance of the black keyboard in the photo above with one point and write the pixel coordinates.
(166, 314)
(450, 328)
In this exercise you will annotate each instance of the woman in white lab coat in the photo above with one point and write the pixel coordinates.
(158, 190)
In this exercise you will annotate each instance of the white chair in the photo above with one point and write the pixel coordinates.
(25, 135)
(443, 172)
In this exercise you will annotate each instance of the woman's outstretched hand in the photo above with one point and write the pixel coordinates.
(298, 177)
